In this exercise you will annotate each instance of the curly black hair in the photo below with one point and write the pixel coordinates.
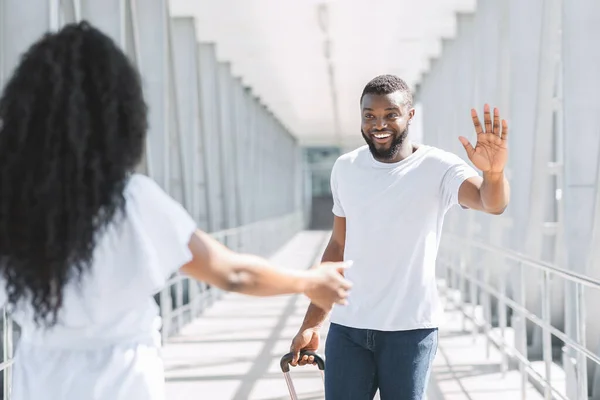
(73, 124)
(386, 84)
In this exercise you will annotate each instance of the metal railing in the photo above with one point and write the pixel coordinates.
(452, 258)
(183, 298)
(8, 333)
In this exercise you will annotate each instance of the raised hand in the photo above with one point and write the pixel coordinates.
(491, 151)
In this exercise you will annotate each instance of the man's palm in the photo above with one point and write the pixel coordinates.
(490, 153)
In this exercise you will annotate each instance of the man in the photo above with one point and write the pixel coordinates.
(390, 198)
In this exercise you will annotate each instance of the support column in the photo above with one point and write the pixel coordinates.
(210, 127)
(152, 26)
(581, 63)
(20, 27)
(108, 16)
(188, 98)
(227, 115)
(541, 199)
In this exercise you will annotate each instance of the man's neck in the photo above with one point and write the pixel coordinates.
(403, 152)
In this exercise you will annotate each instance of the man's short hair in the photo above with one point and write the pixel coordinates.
(386, 84)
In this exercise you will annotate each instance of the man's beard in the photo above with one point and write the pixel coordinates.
(386, 154)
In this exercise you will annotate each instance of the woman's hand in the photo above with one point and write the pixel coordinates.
(327, 286)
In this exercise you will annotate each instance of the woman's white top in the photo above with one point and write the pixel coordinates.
(107, 343)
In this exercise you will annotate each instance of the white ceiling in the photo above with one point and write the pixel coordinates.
(277, 48)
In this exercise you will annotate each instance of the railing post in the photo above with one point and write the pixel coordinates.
(474, 299)
(521, 330)
(502, 321)
(462, 285)
(165, 312)
(8, 353)
(580, 337)
(546, 335)
(194, 297)
(456, 253)
(487, 308)
(179, 303)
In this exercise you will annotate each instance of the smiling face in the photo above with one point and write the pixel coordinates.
(384, 123)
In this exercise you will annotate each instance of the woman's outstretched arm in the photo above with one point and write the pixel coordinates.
(252, 275)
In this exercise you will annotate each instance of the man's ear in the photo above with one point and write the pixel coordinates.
(411, 114)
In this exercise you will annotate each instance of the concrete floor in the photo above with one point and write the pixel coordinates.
(232, 352)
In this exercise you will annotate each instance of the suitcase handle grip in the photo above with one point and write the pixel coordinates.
(287, 359)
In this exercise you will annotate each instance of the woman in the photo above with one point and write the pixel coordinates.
(85, 243)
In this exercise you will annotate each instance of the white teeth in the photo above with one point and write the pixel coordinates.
(382, 135)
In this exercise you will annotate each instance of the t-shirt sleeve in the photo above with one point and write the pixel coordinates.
(337, 209)
(457, 171)
(167, 229)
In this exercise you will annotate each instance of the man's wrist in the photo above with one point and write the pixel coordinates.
(493, 177)
(314, 328)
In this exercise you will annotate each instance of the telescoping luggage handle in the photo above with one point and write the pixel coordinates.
(285, 368)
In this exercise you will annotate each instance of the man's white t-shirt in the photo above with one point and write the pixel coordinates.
(394, 214)
(107, 344)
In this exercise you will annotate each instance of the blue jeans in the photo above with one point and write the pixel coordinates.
(360, 361)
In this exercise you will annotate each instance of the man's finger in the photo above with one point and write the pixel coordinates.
(497, 129)
(487, 118)
(295, 357)
(305, 360)
(467, 145)
(504, 129)
(476, 123)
